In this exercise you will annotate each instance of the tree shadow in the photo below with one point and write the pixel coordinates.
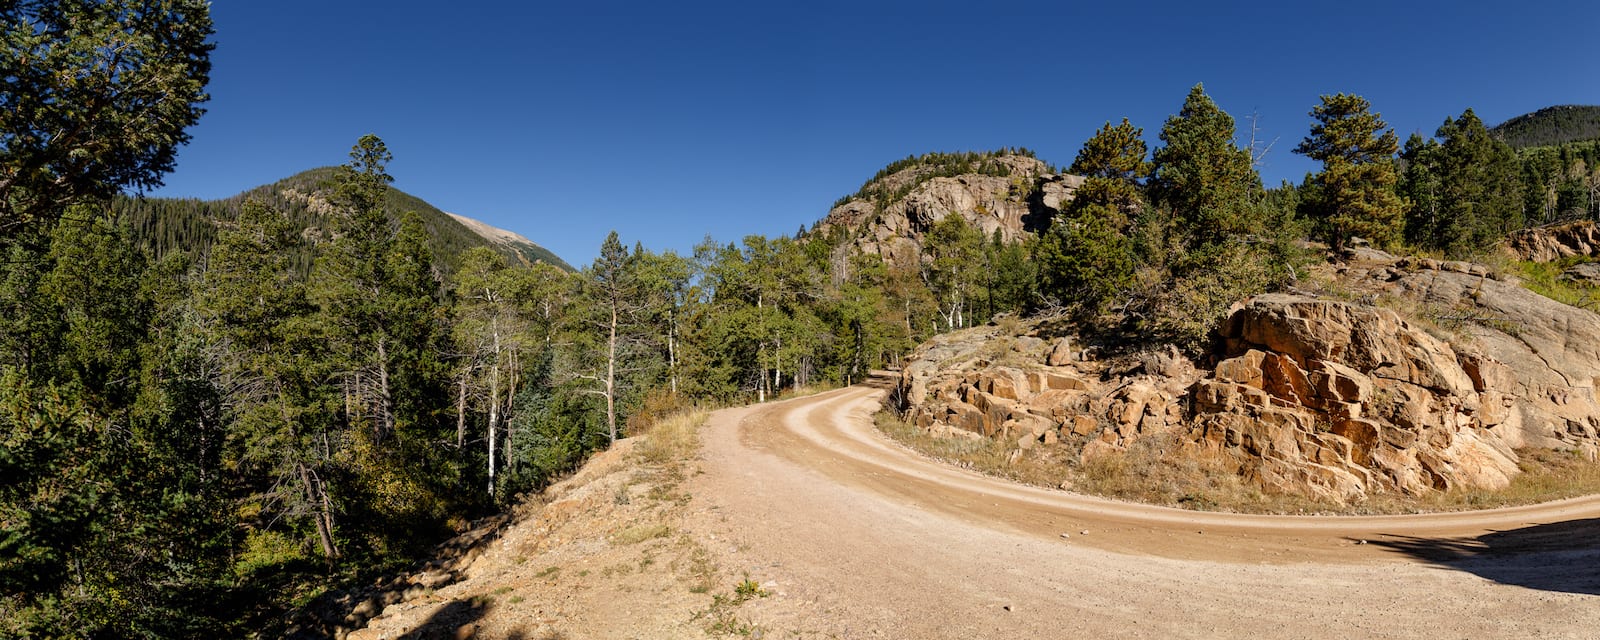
(455, 620)
(1560, 556)
(459, 620)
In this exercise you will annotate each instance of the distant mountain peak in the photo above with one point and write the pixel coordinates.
(177, 224)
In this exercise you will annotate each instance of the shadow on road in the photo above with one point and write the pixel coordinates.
(1562, 556)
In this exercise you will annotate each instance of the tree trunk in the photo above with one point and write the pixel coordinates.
(611, 376)
(385, 426)
(461, 411)
(494, 404)
(318, 497)
(672, 350)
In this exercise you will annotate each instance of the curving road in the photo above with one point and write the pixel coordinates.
(874, 540)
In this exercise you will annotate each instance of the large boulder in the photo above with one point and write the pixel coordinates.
(1548, 244)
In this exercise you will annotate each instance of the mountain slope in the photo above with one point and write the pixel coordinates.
(1551, 126)
(527, 250)
(168, 225)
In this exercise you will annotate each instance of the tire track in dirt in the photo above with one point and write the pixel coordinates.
(834, 433)
(861, 537)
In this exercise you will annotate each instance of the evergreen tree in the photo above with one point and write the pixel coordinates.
(97, 97)
(1465, 188)
(1479, 189)
(1419, 185)
(613, 301)
(1354, 193)
(105, 528)
(1206, 182)
(282, 407)
(1086, 255)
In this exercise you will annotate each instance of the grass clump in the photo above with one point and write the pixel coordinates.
(721, 617)
(673, 439)
(640, 533)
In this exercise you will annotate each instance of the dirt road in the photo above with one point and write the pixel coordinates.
(860, 537)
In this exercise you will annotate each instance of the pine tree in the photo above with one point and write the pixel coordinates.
(97, 98)
(1206, 182)
(1478, 186)
(1354, 193)
(613, 290)
(1086, 255)
(1419, 185)
(281, 405)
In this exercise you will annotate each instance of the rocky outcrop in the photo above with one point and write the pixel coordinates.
(1013, 205)
(1032, 391)
(1548, 244)
(1331, 398)
(1310, 395)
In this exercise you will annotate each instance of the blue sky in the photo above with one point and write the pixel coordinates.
(671, 121)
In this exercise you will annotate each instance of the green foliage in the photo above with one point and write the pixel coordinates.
(106, 519)
(1465, 189)
(1545, 279)
(166, 226)
(1086, 259)
(1206, 182)
(953, 250)
(1550, 126)
(1560, 183)
(1354, 194)
(1086, 256)
(97, 97)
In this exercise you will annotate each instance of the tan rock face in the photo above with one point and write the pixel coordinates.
(1358, 400)
(1548, 244)
(1309, 395)
(1014, 206)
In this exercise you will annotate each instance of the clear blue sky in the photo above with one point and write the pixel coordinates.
(668, 121)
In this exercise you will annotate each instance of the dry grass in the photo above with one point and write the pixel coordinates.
(640, 533)
(803, 390)
(672, 439)
(1154, 470)
(1547, 475)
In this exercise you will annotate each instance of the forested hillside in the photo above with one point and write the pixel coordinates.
(1551, 126)
(1558, 149)
(167, 225)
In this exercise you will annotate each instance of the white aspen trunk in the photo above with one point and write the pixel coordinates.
(672, 350)
(611, 376)
(761, 353)
(385, 406)
(461, 411)
(494, 403)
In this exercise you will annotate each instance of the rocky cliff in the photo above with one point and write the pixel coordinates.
(1403, 375)
(1012, 194)
(1548, 244)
